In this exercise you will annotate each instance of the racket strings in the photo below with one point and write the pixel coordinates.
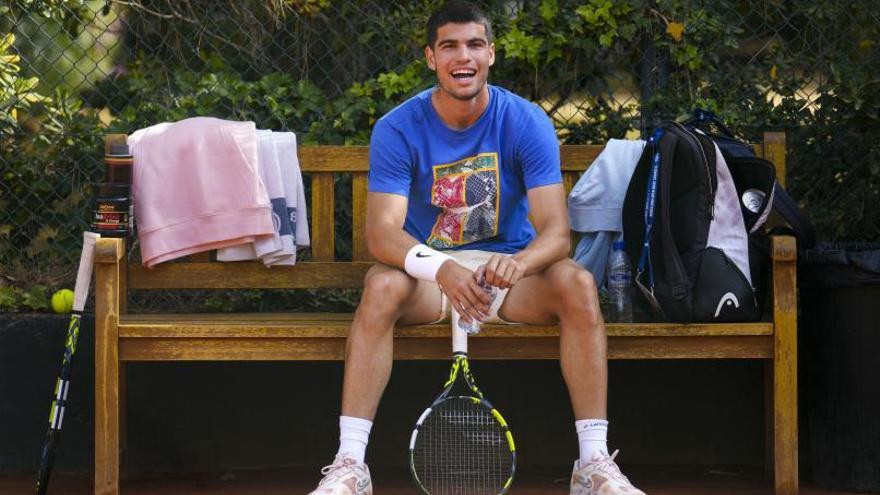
(462, 450)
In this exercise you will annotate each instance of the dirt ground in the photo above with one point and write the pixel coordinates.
(655, 481)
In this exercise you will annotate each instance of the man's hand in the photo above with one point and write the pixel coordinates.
(463, 291)
(501, 271)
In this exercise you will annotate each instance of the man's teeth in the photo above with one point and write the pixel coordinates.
(461, 74)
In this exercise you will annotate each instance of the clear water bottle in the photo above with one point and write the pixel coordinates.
(474, 326)
(620, 285)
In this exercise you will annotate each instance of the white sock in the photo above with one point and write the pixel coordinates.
(592, 438)
(354, 433)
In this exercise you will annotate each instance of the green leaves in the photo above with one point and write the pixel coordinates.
(548, 10)
(521, 46)
(396, 84)
(9, 299)
(603, 17)
(13, 299)
(349, 119)
(17, 93)
(35, 298)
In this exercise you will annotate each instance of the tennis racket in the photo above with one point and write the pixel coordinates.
(59, 400)
(461, 445)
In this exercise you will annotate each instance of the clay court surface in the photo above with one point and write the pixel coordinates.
(299, 481)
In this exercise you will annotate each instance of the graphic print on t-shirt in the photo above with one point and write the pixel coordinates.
(467, 191)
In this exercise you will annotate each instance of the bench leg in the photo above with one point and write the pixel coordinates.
(106, 428)
(106, 416)
(107, 379)
(123, 423)
(785, 420)
(769, 419)
(785, 385)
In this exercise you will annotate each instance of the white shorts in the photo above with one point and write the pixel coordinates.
(473, 259)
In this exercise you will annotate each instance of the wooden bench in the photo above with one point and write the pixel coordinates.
(122, 337)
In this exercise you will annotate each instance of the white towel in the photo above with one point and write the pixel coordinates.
(284, 143)
(271, 249)
(294, 191)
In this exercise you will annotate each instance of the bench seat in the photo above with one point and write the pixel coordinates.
(321, 336)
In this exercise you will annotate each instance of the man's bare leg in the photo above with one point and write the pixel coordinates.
(566, 293)
(390, 297)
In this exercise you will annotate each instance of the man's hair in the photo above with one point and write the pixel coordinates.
(457, 12)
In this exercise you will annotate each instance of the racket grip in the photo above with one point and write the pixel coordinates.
(460, 334)
(47, 460)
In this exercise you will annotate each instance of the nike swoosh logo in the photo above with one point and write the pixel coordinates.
(422, 255)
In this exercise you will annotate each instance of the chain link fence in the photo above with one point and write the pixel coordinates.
(73, 70)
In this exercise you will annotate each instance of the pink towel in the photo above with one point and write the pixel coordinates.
(196, 187)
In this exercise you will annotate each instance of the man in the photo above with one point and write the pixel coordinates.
(454, 174)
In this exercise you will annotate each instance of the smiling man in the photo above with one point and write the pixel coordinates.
(455, 173)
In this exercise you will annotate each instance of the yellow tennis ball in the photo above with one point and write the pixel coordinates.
(62, 301)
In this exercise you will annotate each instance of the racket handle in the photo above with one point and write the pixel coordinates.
(84, 272)
(47, 460)
(459, 335)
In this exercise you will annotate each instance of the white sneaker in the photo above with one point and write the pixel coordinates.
(601, 477)
(345, 476)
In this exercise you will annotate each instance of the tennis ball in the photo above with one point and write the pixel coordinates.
(62, 301)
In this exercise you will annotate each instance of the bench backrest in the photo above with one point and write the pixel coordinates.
(322, 164)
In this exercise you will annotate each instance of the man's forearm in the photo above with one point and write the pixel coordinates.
(544, 250)
(390, 246)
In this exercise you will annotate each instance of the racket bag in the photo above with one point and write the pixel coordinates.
(685, 224)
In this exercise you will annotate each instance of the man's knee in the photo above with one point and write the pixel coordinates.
(386, 289)
(577, 292)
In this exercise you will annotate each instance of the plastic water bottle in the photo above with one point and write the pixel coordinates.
(620, 285)
(474, 326)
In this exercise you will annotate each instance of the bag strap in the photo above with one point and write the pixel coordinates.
(800, 223)
(650, 209)
(700, 116)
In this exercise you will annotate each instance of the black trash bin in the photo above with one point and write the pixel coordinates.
(840, 358)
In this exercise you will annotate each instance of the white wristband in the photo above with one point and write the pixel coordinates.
(423, 262)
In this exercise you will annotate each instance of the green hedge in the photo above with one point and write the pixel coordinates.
(601, 69)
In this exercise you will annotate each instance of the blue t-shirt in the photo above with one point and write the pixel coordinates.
(466, 189)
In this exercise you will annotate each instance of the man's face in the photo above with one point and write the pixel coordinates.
(461, 57)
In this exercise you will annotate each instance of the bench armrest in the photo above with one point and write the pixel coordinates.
(109, 250)
(784, 248)
(110, 277)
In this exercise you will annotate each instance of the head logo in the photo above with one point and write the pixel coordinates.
(728, 299)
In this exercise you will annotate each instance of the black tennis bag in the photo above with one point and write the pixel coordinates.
(693, 226)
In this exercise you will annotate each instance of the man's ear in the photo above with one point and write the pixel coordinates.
(429, 58)
(491, 54)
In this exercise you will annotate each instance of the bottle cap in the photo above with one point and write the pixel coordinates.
(110, 189)
(119, 149)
